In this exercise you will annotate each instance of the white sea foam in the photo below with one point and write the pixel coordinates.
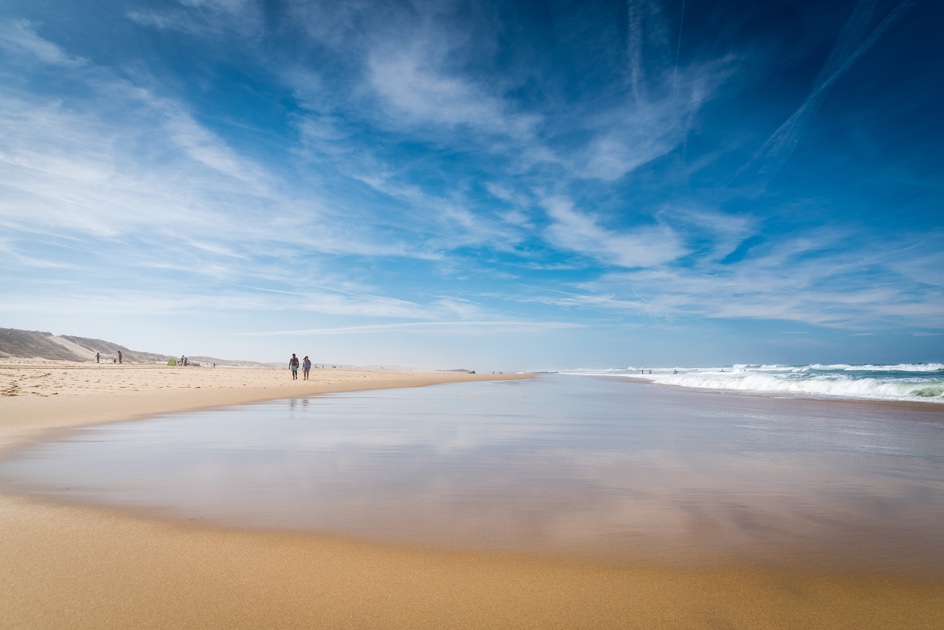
(901, 382)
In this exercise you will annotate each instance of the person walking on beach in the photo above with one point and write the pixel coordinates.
(293, 366)
(98, 357)
(119, 356)
(306, 367)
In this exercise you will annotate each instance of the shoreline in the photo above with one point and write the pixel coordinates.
(917, 404)
(87, 566)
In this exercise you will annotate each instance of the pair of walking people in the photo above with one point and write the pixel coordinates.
(293, 366)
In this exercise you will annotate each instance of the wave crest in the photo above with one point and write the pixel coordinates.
(899, 382)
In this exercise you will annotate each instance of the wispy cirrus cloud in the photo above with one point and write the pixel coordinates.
(447, 327)
(641, 129)
(66, 170)
(415, 90)
(205, 147)
(579, 232)
(814, 280)
(465, 166)
(204, 17)
(19, 37)
(417, 73)
(125, 160)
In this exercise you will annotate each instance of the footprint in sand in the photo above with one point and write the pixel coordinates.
(13, 389)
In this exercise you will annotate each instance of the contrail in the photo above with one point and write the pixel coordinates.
(634, 46)
(678, 49)
(849, 47)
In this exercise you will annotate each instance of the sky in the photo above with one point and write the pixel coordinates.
(482, 185)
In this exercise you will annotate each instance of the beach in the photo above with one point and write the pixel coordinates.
(74, 565)
(39, 395)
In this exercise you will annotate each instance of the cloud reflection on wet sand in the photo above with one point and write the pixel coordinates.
(558, 464)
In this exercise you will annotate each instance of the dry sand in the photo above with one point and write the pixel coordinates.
(88, 567)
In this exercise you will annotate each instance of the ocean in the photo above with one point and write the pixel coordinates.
(602, 467)
(906, 382)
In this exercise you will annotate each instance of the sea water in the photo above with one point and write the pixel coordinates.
(921, 382)
(601, 467)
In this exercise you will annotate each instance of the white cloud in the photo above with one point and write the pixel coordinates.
(445, 223)
(411, 87)
(13, 257)
(112, 176)
(121, 161)
(724, 232)
(609, 301)
(645, 246)
(208, 149)
(19, 36)
(70, 171)
(816, 279)
(205, 17)
(449, 327)
(338, 24)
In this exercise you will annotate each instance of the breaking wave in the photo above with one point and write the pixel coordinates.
(901, 382)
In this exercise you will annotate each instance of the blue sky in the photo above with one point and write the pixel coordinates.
(489, 185)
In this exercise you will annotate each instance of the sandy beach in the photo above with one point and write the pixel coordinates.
(91, 567)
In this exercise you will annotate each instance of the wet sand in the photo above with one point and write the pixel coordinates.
(40, 396)
(77, 566)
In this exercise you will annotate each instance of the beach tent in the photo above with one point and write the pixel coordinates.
(172, 362)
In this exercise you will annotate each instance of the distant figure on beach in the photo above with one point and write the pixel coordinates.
(293, 366)
(119, 356)
(98, 357)
(306, 367)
